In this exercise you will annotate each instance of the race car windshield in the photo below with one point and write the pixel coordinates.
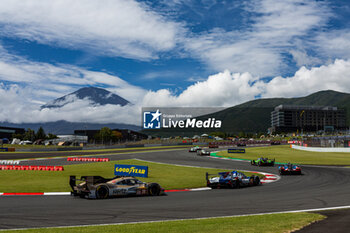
(137, 181)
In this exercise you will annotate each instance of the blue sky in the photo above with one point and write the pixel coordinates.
(175, 52)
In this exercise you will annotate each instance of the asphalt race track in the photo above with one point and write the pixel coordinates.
(318, 187)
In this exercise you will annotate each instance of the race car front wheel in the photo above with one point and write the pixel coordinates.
(256, 180)
(251, 181)
(154, 189)
(102, 192)
(238, 184)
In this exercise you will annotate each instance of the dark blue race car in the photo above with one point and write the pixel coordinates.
(289, 169)
(233, 179)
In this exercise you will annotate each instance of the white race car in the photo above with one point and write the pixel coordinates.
(194, 149)
(203, 152)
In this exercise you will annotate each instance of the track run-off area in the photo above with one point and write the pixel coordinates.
(319, 187)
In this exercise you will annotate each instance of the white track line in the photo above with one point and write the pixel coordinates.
(184, 219)
(57, 194)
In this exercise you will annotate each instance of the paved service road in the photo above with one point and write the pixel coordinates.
(319, 187)
(336, 222)
(40, 154)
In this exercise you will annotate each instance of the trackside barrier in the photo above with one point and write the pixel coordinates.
(31, 168)
(5, 149)
(13, 162)
(88, 159)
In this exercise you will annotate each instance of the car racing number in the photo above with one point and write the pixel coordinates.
(120, 191)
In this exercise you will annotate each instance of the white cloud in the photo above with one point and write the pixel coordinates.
(222, 89)
(17, 111)
(26, 85)
(334, 43)
(229, 89)
(161, 75)
(83, 111)
(132, 29)
(29, 84)
(259, 47)
(335, 76)
(112, 27)
(46, 81)
(302, 58)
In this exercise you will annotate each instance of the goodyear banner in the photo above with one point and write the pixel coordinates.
(4, 149)
(130, 170)
(236, 150)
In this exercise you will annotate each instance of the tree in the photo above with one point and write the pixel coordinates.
(18, 136)
(97, 137)
(105, 134)
(116, 135)
(40, 134)
(29, 135)
(51, 136)
(242, 134)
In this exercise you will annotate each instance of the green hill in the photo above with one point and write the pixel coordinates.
(254, 116)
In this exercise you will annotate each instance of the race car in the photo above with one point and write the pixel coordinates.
(203, 152)
(289, 169)
(233, 179)
(263, 162)
(194, 149)
(97, 187)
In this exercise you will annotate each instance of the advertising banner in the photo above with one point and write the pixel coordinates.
(236, 150)
(130, 170)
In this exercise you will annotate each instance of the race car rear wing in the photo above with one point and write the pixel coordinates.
(207, 175)
(72, 182)
(90, 180)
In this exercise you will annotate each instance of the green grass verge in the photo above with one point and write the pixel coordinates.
(168, 176)
(270, 223)
(285, 154)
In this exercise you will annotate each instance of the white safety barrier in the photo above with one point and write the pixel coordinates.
(9, 162)
(322, 149)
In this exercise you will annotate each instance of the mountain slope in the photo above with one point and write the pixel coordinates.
(254, 116)
(97, 96)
